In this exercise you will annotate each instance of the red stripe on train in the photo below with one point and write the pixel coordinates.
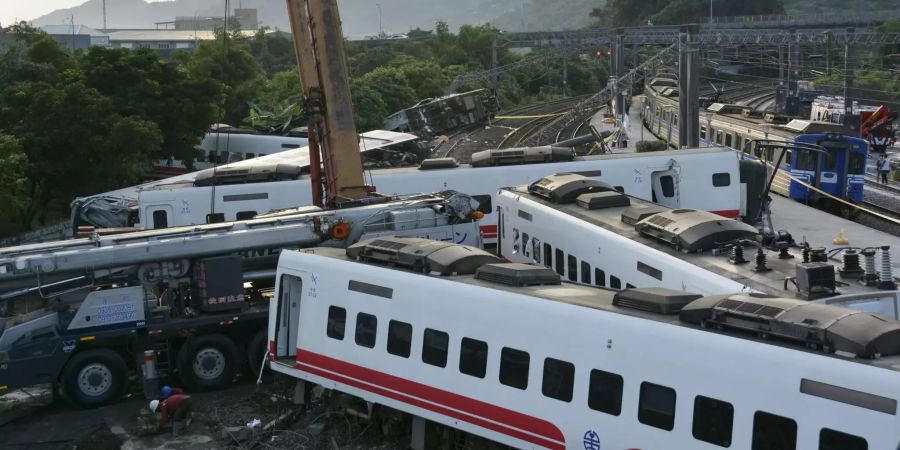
(729, 213)
(473, 411)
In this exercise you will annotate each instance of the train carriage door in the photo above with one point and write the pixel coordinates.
(833, 165)
(288, 324)
(665, 188)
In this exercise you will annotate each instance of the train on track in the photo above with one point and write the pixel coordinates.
(837, 172)
(447, 333)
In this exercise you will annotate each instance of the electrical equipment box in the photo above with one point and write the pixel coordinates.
(815, 279)
(219, 284)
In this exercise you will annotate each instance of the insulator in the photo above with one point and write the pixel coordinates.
(805, 253)
(887, 277)
(760, 261)
(851, 265)
(737, 254)
(871, 275)
(818, 255)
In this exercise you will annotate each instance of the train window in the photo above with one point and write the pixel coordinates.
(211, 157)
(728, 140)
(585, 272)
(337, 319)
(713, 421)
(473, 357)
(835, 440)
(605, 392)
(366, 326)
(548, 255)
(702, 132)
(559, 379)
(629, 286)
(573, 268)
(615, 282)
(667, 183)
(657, 406)
(721, 179)
(485, 205)
(857, 164)
(771, 432)
(215, 218)
(160, 219)
(514, 367)
(245, 215)
(434, 347)
(250, 156)
(649, 270)
(560, 263)
(806, 160)
(719, 135)
(737, 141)
(599, 277)
(399, 338)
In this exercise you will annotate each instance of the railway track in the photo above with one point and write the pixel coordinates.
(502, 132)
(548, 112)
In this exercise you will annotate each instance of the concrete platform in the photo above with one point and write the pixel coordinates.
(819, 228)
(636, 131)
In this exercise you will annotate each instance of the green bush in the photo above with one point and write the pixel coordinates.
(651, 146)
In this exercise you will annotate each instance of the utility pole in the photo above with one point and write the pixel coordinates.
(380, 25)
(689, 87)
(104, 15)
(618, 60)
(781, 90)
(848, 84)
(829, 52)
(495, 77)
(792, 106)
(565, 73)
(710, 12)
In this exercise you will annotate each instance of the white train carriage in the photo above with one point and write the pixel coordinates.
(511, 355)
(591, 234)
(676, 178)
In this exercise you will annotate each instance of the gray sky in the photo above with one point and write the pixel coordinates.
(11, 10)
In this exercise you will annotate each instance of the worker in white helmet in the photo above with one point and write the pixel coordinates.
(176, 408)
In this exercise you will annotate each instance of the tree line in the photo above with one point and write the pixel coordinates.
(79, 123)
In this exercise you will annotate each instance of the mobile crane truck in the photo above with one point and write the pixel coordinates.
(79, 314)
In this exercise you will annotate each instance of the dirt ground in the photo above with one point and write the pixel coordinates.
(30, 420)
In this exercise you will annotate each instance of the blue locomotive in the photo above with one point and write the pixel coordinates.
(839, 170)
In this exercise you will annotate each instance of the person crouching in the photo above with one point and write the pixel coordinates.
(176, 409)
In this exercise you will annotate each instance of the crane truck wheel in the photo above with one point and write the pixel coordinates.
(208, 362)
(256, 350)
(94, 377)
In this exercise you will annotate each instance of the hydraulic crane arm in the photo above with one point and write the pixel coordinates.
(321, 58)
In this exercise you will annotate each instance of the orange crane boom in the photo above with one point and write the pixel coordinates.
(322, 62)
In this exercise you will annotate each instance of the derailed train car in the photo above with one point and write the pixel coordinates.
(435, 116)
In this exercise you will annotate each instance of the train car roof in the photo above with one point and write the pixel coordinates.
(771, 282)
(182, 184)
(623, 302)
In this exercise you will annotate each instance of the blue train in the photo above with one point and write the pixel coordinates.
(839, 171)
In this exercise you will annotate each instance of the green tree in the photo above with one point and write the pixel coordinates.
(13, 184)
(229, 61)
(274, 51)
(141, 84)
(74, 140)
